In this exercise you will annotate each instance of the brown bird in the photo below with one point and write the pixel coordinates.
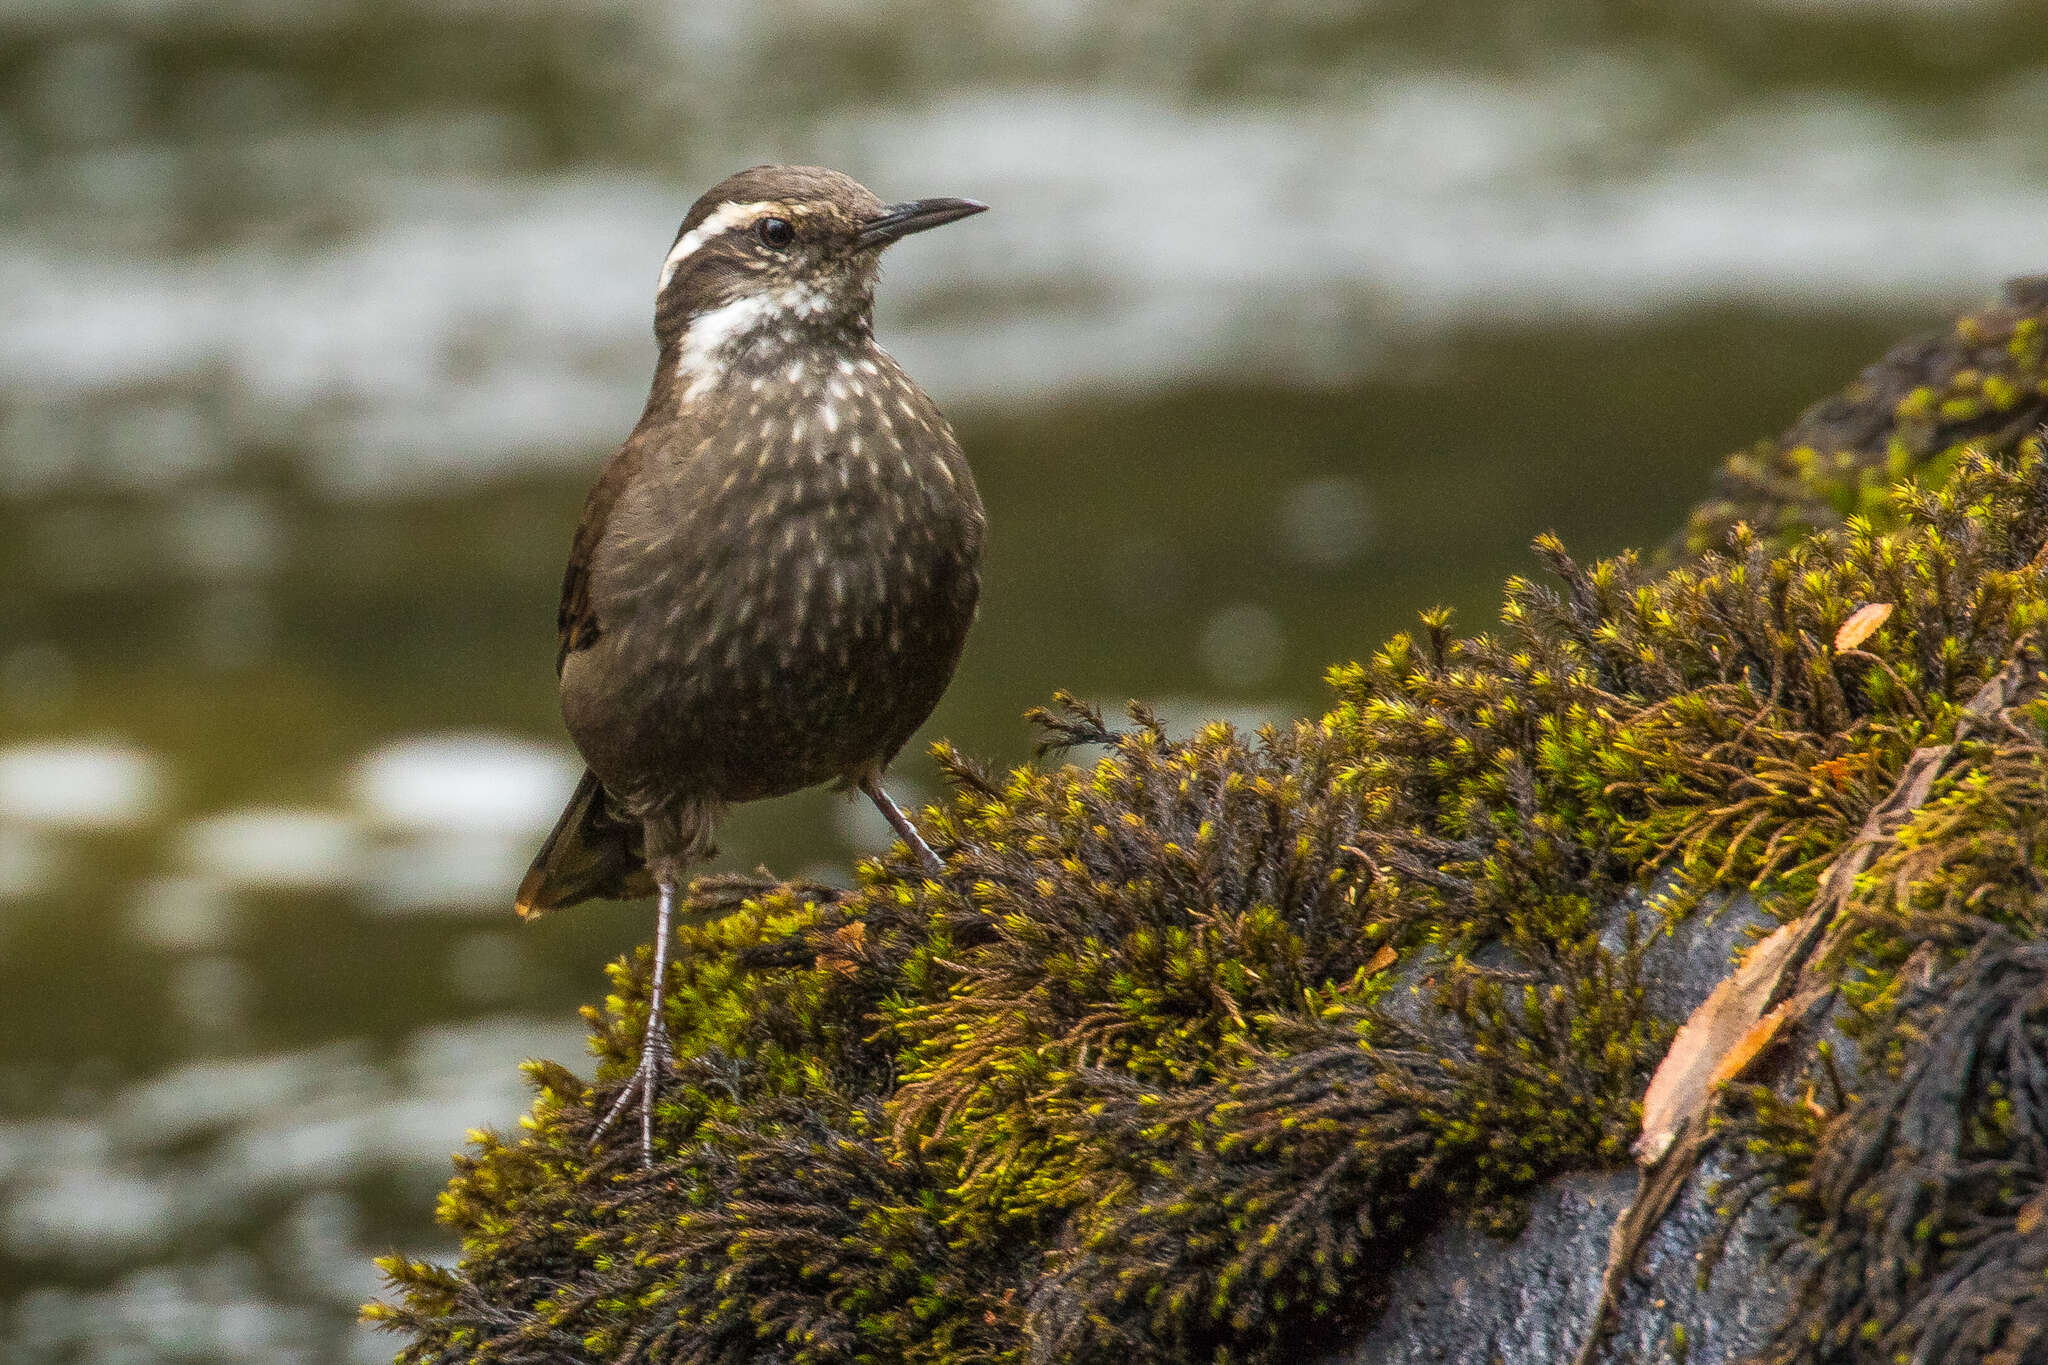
(775, 574)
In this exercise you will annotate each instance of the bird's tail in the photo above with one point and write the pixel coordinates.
(593, 854)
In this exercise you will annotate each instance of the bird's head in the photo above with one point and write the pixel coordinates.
(781, 251)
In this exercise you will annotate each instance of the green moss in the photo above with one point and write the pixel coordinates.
(1921, 1186)
(1980, 384)
(1191, 1041)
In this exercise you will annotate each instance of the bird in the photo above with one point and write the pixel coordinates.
(774, 575)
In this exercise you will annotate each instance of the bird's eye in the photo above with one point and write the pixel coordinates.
(775, 232)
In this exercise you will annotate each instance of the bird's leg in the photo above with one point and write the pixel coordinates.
(654, 1054)
(871, 785)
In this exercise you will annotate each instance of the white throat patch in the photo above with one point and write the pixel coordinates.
(715, 336)
(723, 219)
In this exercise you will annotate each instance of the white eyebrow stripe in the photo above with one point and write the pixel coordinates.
(724, 218)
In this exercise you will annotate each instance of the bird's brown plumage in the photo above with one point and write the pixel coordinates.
(575, 626)
(775, 574)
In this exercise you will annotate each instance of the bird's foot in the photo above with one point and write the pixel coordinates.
(645, 1086)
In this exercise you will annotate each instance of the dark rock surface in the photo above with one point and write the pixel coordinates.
(1684, 962)
(1464, 1298)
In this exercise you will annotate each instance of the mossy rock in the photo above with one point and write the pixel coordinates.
(1980, 384)
(1194, 1041)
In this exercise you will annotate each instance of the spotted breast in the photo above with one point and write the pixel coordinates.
(784, 592)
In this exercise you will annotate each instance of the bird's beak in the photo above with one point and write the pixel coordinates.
(900, 220)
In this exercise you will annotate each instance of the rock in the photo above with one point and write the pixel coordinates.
(1464, 1298)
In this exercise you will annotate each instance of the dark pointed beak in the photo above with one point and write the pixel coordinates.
(900, 220)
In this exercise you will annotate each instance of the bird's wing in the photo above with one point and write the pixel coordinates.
(576, 623)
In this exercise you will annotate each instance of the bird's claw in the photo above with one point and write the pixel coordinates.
(645, 1083)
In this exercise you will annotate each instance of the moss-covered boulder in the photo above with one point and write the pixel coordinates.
(1913, 413)
(1198, 1040)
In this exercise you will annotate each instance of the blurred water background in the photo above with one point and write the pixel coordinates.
(316, 317)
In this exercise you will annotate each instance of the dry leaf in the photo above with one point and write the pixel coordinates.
(849, 937)
(1725, 1023)
(1835, 770)
(1381, 960)
(1736, 1060)
(2032, 1215)
(1862, 624)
